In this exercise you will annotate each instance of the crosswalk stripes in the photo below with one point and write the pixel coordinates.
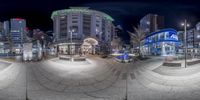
(132, 76)
(124, 76)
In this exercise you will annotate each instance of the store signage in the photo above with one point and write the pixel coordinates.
(174, 36)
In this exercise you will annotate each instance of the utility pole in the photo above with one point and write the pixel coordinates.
(185, 40)
(193, 54)
(126, 95)
(26, 84)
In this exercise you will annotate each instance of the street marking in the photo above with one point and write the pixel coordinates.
(124, 76)
(113, 70)
(118, 73)
(132, 76)
(137, 72)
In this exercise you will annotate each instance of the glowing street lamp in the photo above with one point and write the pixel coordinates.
(71, 32)
(185, 24)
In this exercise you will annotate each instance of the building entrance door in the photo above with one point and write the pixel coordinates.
(89, 45)
(72, 49)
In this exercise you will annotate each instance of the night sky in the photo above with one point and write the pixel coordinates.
(125, 12)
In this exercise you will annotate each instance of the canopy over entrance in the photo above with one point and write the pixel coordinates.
(90, 41)
(88, 45)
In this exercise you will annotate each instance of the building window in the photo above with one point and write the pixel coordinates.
(167, 35)
(162, 36)
(74, 21)
(86, 24)
(74, 17)
(97, 17)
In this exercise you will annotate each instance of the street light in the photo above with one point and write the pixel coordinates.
(126, 95)
(71, 32)
(185, 24)
(43, 46)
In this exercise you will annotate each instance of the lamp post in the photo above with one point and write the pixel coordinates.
(126, 95)
(193, 33)
(71, 36)
(26, 85)
(71, 32)
(185, 24)
(198, 37)
(43, 46)
(98, 35)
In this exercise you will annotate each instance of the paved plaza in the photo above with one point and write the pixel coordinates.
(98, 79)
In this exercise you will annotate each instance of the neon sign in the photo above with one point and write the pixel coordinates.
(170, 36)
(173, 36)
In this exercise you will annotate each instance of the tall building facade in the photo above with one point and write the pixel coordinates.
(76, 25)
(17, 31)
(193, 39)
(6, 26)
(4, 39)
(151, 23)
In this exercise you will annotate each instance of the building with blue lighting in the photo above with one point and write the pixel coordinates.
(163, 42)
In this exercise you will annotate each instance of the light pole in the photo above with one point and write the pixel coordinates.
(71, 32)
(193, 55)
(26, 83)
(126, 95)
(185, 24)
(98, 33)
(43, 46)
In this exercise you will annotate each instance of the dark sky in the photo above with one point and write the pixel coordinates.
(125, 12)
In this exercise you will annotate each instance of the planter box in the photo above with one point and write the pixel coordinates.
(169, 64)
(65, 58)
(72, 58)
(193, 62)
(79, 59)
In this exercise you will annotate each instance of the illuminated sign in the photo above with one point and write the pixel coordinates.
(171, 36)
(18, 18)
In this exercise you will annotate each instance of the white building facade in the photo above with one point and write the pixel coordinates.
(72, 26)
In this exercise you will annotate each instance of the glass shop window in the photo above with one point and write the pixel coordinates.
(162, 36)
(167, 35)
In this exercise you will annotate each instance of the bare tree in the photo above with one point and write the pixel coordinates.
(137, 36)
(117, 43)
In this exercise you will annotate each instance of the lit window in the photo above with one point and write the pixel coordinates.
(148, 23)
(62, 17)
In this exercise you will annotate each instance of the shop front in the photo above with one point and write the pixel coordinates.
(163, 43)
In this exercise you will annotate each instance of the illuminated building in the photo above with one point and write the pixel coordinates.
(75, 25)
(198, 26)
(4, 43)
(17, 30)
(163, 42)
(193, 39)
(151, 23)
(6, 27)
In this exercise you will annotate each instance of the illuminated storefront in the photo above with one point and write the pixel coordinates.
(163, 42)
(4, 48)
